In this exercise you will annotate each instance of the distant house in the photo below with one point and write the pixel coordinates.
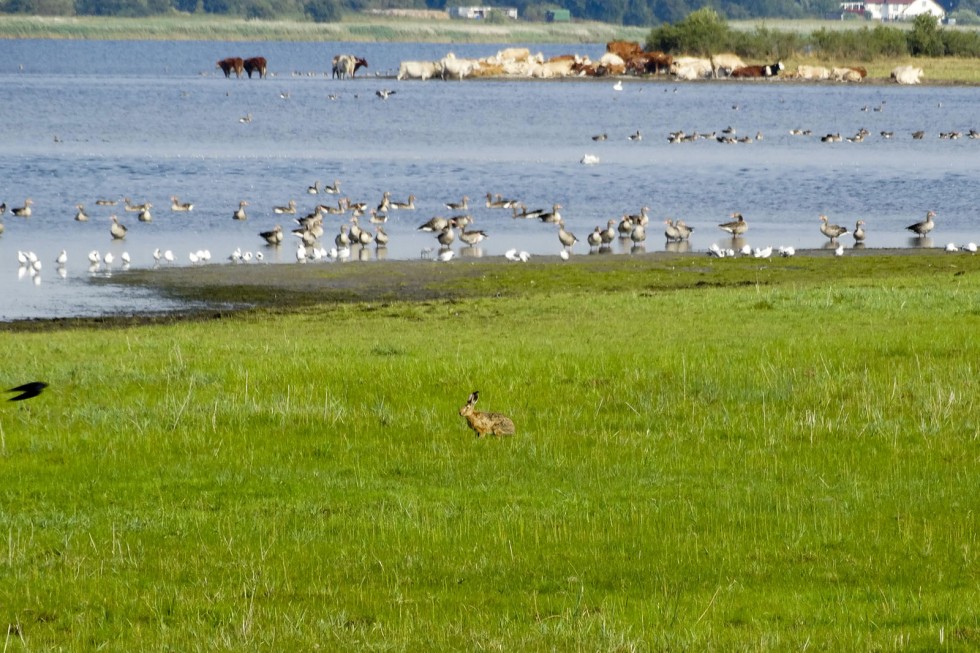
(893, 9)
(477, 13)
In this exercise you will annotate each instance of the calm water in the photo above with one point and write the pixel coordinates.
(87, 120)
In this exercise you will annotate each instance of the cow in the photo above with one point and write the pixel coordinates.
(625, 50)
(649, 62)
(458, 68)
(906, 74)
(511, 54)
(723, 64)
(255, 65)
(347, 65)
(812, 72)
(418, 70)
(846, 75)
(556, 67)
(612, 64)
(690, 68)
(747, 72)
(232, 65)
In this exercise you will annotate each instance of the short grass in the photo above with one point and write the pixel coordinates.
(710, 456)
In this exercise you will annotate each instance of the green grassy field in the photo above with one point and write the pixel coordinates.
(710, 455)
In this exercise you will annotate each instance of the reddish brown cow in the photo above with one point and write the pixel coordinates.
(649, 62)
(625, 49)
(358, 64)
(758, 71)
(232, 65)
(255, 64)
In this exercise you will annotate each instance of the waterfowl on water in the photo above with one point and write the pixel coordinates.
(177, 205)
(671, 231)
(133, 208)
(23, 211)
(462, 205)
(385, 204)
(446, 236)
(80, 215)
(552, 216)
(290, 208)
(342, 239)
(609, 233)
(595, 238)
(239, 214)
(471, 237)
(683, 229)
(565, 237)
(831, 231)
(859, 233)
(410, 204)
(922, 228)
(314, 189)
(273, 237)
(333, 190)
(380, 236)
(145, 215)
(736, 227)
(104, 202)
(437, 223)
(116, 229)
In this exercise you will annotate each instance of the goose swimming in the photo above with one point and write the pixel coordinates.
(116, 229)
(273, 237)
(177, 205)
(239, 214)
(23, 211)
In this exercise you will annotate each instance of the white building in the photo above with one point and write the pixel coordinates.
(894, 9)
(480, 12)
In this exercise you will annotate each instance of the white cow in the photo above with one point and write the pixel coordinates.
(690, 68)
(559, 68)
(512, 54)
(419, 69)
(723, 64)
(812, 72)
(458, 68)
(906, 74)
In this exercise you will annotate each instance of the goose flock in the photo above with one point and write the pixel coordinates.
(349, 239)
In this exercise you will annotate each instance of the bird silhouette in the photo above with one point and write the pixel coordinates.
(28, 390)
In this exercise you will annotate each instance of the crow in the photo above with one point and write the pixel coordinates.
(28, 390)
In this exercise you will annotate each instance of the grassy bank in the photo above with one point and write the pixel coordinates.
(354, 28)
(710, 455)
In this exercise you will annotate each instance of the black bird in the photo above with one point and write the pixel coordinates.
(28, 390)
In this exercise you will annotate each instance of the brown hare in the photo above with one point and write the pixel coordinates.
(485, 423)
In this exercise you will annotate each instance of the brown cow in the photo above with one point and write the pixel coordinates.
(649, 62)
(758, 71)
(625, 49)
(230, 65)
(255, 64)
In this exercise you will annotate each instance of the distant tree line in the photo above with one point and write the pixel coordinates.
(704, 33)
(626, 12)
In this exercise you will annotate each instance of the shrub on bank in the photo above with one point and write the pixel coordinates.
(704, 32)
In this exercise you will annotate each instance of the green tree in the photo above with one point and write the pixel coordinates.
(703, 32)
(925, 39)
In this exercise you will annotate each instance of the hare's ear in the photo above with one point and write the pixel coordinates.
(473, 398)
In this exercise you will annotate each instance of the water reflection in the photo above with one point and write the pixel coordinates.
(921, 241)
(677, 246)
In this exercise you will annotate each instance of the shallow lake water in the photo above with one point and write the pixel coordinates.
(89, 120)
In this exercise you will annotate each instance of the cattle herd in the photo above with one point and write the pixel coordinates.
(620, 58)
(629, 58)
